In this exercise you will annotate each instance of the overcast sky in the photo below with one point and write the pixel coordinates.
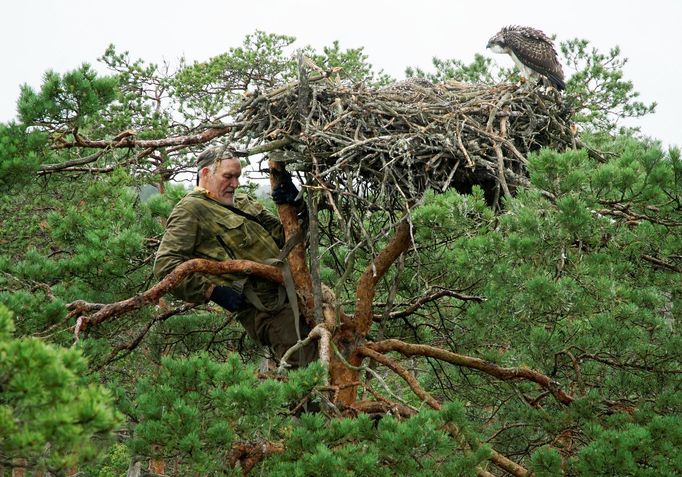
(37, 35)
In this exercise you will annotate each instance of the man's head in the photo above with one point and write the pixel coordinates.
(218, 171)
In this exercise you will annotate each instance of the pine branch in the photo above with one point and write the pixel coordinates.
(129, 347)
(79, 309)
(130, 141)
(373, 273)
(505, 374)
(423, 300)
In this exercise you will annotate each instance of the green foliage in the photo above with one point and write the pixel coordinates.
(637, 449)
(546, 462)
(113, 464)
(481, 70)
(64, 246)
(51, 414)
(596, 90)
(20, 154)
(209, 87)
(352, 63)
(66, 102)
(419, 446)
(577, 278)
(570, 279)
(195, 408)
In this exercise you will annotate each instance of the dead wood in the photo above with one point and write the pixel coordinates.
(395, 142)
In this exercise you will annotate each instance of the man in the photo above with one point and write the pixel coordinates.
(217, 223)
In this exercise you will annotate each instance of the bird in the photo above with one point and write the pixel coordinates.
(532, 51)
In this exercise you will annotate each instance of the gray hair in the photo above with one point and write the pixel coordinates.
(211, 156)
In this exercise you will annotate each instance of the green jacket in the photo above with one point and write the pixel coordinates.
(200, 227)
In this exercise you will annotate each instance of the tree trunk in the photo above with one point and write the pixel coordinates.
(297, 256)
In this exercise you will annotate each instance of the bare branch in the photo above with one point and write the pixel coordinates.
(403, 373)
(421, 301)
(130, 141)
(662, 263)
(320, 332)
(79, 308)
(505, 374)
(373, 273)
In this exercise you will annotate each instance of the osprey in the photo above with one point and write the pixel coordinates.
(532, 51)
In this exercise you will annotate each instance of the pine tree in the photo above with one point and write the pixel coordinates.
(52, 415)
(547, 331)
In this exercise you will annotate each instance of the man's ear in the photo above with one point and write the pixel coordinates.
(203, 172)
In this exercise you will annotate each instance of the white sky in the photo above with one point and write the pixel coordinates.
(37, 35)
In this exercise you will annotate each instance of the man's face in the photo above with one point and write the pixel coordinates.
(222, 183)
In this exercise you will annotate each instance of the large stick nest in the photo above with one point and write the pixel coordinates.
(395, 142)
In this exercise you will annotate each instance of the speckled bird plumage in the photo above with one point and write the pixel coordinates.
(532, 51)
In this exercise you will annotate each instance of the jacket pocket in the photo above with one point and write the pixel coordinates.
(234, 234)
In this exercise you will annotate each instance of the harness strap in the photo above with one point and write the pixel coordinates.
(289, 290)
(289, 285)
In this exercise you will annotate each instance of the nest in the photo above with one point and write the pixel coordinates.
(388, 145)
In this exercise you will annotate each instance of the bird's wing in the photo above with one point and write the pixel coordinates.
(536, 52)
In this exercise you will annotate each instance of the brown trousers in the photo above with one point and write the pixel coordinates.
(277, 331)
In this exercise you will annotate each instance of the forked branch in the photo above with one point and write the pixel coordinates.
(373, 273)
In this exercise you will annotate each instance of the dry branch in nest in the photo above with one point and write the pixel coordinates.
(389, 145)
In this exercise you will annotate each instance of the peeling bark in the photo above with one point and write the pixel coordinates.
(297, 256)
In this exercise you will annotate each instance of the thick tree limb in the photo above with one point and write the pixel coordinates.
(130, 141)
(505, 374)
(354, 330)
(297, 257)
(47, 168)
(373, 273)
(78, 309)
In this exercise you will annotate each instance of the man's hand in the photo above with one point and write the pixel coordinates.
(286, 192)
(227, 297)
